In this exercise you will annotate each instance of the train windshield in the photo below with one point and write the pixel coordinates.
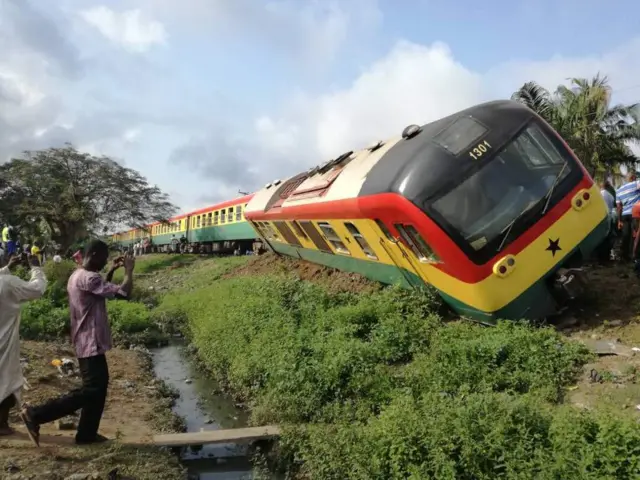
(484, 207)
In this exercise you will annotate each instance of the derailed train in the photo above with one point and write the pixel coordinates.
(488, 205)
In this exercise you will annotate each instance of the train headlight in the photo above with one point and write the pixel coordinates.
(581, 199)
(503, 267)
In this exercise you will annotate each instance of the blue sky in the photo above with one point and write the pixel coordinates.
(206, 97)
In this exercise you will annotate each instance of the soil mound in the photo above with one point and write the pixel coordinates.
(333, 280)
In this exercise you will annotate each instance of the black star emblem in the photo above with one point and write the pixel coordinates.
(554, 246)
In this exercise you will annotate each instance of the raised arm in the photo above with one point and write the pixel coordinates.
(23, 291)
(104, 288)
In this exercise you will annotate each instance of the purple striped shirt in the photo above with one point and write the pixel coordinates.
(90, 331)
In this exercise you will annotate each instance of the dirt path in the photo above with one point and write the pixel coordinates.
(136, 406)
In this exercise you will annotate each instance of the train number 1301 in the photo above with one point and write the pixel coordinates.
(479, 150)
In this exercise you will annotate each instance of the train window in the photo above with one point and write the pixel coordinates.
(364, 245)
(418, 246)
(385, 230)
(198, 222)
(230, 215)
(331, 235)
(287, 234)
(271, 232)
(238, 213)
(315, 237)
(537, 148)
(223, 215)
(460, 134)
(216, 217)
(296, 226)
(209, 215)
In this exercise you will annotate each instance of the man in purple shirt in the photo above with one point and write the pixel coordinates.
(91, 337)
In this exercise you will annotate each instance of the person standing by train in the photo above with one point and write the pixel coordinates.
(627, 196)
(91, 338)
(604, 250)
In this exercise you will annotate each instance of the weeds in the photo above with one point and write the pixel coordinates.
(48, 317)
(379, 386)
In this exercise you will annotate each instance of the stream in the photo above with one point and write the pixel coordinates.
(203, 409)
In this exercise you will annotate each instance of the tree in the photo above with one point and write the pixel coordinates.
(74, 194)
(599, 133)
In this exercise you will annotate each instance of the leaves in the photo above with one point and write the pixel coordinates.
(378, 386)
(74, 194)
(599, 133)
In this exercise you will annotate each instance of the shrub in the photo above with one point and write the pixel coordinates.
(42, 320)
(48, 317)
(475, 437)
(386, 389)
(128, 317)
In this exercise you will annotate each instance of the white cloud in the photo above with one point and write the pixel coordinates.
(129, 29)
(410, 84)
(312, 32)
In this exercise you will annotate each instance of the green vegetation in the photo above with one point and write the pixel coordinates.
(379, 386)
(48, 318)
(63, 195)
(599, 133)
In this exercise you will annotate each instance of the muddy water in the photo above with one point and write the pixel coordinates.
(203, 409)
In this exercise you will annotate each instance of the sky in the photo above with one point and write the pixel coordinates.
(207, 98)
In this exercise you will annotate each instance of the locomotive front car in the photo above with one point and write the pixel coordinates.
(488, 205)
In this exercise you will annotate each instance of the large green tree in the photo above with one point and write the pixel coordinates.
(72, 194)
(582, 113)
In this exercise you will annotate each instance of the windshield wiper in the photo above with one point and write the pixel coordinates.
(553, 186)
(509, 227)
(506, 235)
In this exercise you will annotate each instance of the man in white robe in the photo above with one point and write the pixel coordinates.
(13, 292)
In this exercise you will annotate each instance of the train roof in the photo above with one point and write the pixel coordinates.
(414, 166)
(217, 206)
(439, 154)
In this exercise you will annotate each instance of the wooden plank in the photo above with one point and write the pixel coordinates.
(207, 437)
(608, 347)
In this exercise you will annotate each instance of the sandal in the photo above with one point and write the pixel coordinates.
(33, 430)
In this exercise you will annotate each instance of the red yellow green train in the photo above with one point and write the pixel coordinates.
(488, 205)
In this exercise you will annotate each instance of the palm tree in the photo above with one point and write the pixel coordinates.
(599, 133)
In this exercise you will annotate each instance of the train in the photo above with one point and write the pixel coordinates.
(489, 206)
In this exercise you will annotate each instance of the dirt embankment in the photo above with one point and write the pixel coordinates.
(333, 280)
(136, 406)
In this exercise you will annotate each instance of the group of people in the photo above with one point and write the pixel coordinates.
(90, 336)
(623, 205)
(11, 246)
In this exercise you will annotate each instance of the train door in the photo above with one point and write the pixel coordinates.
(187, 233)
(400, 257)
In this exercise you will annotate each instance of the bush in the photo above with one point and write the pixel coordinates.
(128, 317)
(48, 318)
(388, 390)
(42, 319)
(479, 436)
(58, 276)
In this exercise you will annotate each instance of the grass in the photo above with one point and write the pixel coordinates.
(377, 385)
(48, 317)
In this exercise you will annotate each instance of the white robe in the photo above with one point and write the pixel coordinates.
(13, 292)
